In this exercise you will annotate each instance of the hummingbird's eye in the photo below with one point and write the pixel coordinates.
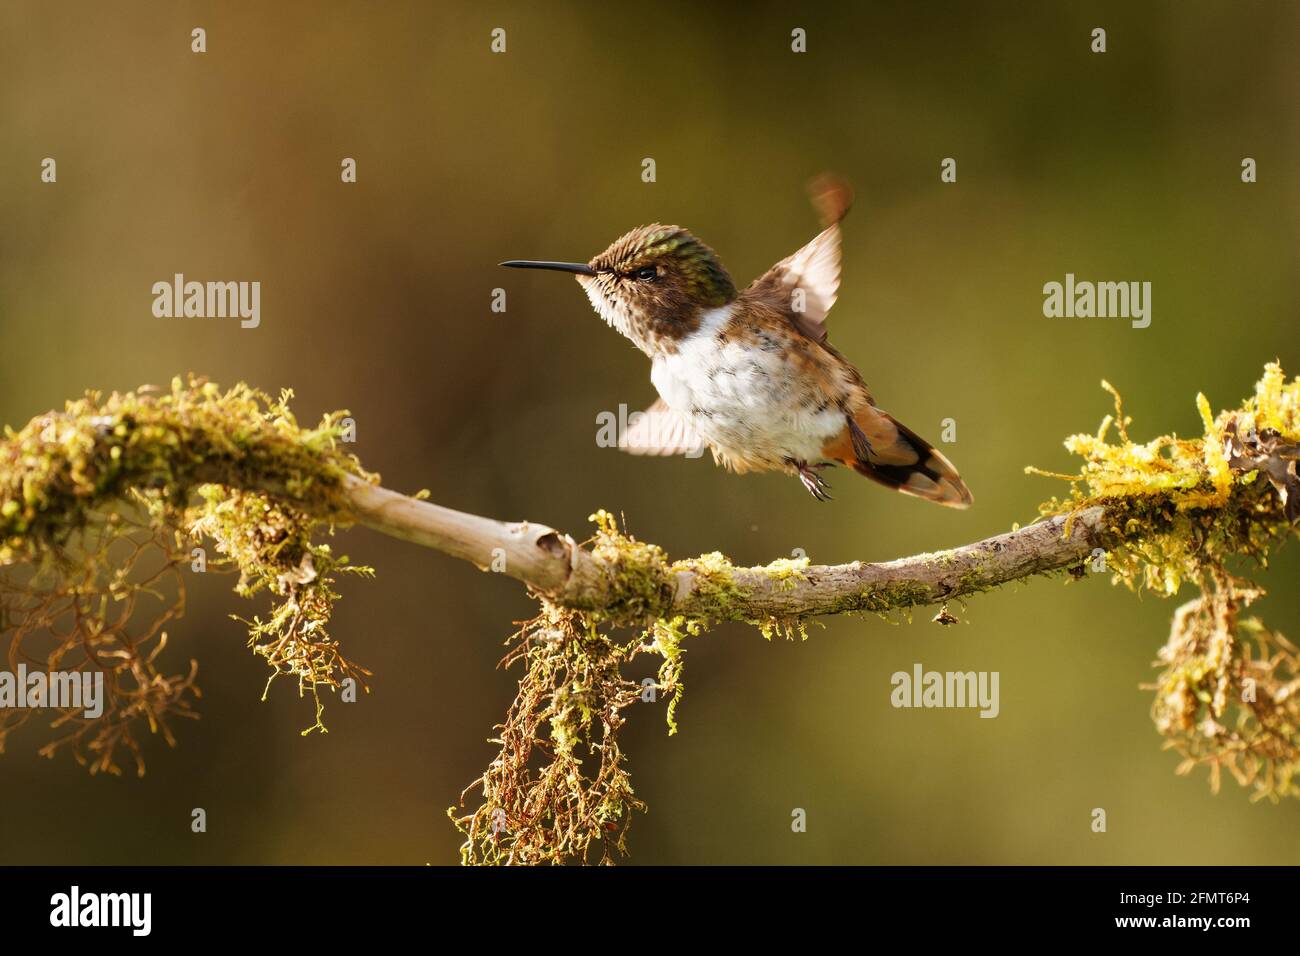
(647, 274)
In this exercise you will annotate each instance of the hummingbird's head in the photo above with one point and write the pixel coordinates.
(651, 284)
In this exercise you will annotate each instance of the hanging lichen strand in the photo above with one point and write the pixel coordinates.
(1226, 696)
(101, 508)
(559, 782)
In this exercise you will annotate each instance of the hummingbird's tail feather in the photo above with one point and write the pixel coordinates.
(877, 445)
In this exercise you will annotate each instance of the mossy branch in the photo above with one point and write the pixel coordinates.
(627, 582)
(102, 505)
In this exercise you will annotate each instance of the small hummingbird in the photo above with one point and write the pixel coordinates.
(751, 374)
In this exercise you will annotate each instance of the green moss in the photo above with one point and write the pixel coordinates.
(895, 595)
(785, 573)
(559, 788)
(1188, 511)
(713, 585)
(88, 493)
(973, 580)
(640, 579)
(64, 465)
(666, 637)
(1178, 505)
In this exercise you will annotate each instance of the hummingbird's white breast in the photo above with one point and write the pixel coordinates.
(744, 395)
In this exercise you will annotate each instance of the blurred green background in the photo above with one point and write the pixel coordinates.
(375, 298)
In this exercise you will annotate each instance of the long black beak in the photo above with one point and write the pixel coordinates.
(577, 267)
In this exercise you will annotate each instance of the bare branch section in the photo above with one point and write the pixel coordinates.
(926, 578)
(555, 565)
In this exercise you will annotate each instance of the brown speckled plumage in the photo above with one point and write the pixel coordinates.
(753, 375)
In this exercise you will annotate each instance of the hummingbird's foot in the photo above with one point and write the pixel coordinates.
(814, 482)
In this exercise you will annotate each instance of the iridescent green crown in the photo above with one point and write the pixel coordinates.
(707, 280)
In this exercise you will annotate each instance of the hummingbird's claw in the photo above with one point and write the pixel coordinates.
(814, 482)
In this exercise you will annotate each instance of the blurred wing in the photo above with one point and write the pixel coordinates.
(804, 286)
(660, 431)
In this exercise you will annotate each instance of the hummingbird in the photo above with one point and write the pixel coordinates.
(751, 374)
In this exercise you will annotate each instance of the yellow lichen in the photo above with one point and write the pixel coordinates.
(102, 506)
(1183, 510)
